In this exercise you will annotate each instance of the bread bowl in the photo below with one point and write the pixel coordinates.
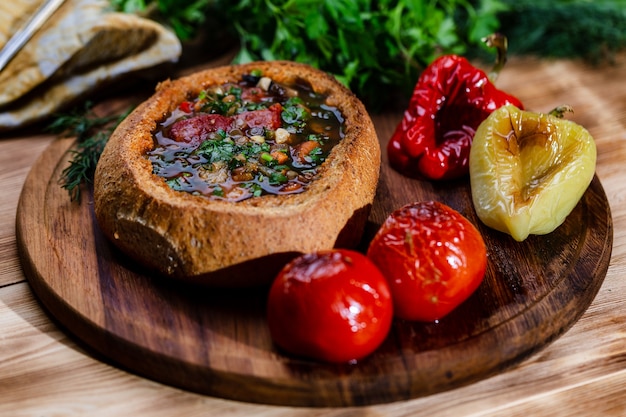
(195, 236)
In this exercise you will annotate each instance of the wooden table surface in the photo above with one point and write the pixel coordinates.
(44, 371)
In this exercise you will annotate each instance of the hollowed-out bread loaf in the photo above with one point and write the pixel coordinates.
(225, 243)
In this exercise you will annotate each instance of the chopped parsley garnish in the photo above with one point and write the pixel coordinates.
(246, 139)
(294, 113)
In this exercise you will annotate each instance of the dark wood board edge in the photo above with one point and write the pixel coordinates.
(229, 386)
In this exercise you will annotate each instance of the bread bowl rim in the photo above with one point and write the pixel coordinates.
(135, 136)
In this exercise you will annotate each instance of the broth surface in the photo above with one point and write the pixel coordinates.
(246, 139)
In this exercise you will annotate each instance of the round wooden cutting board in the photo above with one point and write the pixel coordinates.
(216, 342)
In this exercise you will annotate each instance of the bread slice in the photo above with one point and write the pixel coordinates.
(82, 47)
(244, 243)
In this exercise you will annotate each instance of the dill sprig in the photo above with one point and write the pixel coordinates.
(593, 30)
(92, 133)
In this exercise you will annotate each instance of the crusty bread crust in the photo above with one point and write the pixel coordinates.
(233, 244)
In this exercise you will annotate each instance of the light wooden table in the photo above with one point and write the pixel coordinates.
(46, 372)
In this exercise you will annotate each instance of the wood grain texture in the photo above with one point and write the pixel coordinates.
(43, 371)
(216, 341)
(12, 178)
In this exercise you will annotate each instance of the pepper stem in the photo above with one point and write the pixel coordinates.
(500, 42)
(561, 110)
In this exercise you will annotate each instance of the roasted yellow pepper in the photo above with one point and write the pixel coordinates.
(529, 170)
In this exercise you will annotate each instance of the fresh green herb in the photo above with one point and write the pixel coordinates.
(220, 149)
(294, 113)
(213, 102)
(217, 150)
(175, 183)
(227, 102)
(382, 46)
(255, 188)
(92, 133)
(318, 137)
(366, 44)
(316, 156)
(181, 182)
(371, 46)
(278, 178)
(593, 30)
(185, 18)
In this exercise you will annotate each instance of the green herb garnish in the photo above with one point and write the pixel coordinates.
(214, 102)
(255, 188)
(218, 191)
(295, 113)
(92, 133)
(377, 48)
(218, 150)
(382, 46)
(370, 46)
(316, 156)
(278, 178)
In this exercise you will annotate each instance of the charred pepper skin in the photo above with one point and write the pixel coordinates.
(450, 100)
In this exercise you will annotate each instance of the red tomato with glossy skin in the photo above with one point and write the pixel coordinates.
(433, 258)
(334, 306)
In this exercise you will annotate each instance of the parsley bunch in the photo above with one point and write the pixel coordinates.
(379, 47)
(375, 47)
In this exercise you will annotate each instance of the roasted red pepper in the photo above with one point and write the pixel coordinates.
(451, 98)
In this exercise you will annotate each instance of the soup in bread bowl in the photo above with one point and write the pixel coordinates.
(224, 175)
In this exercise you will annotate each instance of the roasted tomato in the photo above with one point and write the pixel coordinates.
(433, 258)
(334, 306)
